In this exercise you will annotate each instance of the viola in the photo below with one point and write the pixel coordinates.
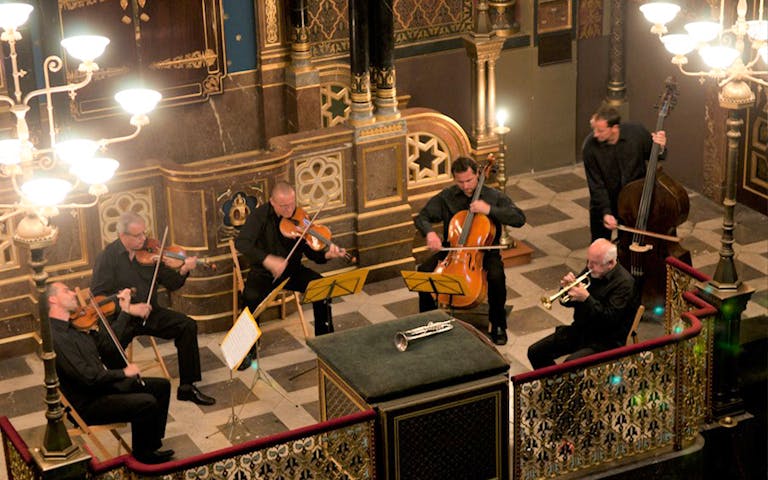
(173, 255)
(466, 232)
(317, 236)
(87, 318)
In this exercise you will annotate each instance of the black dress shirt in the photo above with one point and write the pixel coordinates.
(604, 317)
(443, 206)
(114, 271)
(610, 167)
(260, 236)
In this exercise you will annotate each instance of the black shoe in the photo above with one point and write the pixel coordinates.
(151, 458)
(246, 363)
(499, 335)
(190, 393)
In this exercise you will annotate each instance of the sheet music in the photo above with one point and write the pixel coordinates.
(240, 338)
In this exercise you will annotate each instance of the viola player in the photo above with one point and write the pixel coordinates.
(266, 249)
(117, 268)
(499, 209)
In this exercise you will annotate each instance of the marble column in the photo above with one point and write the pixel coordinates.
(382, 42)
(617, 88)
(360, 83)
(302, 80)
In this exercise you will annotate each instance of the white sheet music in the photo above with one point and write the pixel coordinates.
(240, 338)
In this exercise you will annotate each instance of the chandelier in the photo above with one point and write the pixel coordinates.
(733, 54)
(44, 177)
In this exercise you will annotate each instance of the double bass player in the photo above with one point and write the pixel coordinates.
(499, 209)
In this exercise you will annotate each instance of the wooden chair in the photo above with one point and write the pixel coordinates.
(632, 335)
(158, 362)
(238, 285)
(89, 432)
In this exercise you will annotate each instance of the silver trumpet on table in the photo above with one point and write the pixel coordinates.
(432, 328)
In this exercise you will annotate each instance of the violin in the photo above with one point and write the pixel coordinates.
(87, 318)
(317, 236)
(173, 255)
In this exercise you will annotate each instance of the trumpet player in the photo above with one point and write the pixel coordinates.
(602, 312)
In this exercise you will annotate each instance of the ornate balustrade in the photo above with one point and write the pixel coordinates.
(621, 405)
(339, 448)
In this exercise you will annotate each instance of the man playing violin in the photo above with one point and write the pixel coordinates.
(498, 207)
(117, 267)
(602, 313)
(101, 394)
(266, 249)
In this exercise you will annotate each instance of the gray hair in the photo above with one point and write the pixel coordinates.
(610, 254)
(128, 218)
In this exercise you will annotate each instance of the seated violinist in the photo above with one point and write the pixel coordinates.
(117, 267)
(267, 249)
(499, 209)
(104, 395)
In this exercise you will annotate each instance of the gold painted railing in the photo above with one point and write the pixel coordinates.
(339, 448)
(618, 406)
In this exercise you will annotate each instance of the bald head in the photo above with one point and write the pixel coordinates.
(601, 257)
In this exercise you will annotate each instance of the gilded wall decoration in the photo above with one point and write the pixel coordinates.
(429, 160)
(75, 4)
(272, 28)
(319, 178)
(335, 103)
(193, 60)
(590, 19)
(236, 203)
(139, 201)
(8, 256)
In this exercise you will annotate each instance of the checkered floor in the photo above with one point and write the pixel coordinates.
(282, 393)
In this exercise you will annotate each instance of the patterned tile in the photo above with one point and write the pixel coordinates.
(14, 367)
(22, 401)
(530, 320)
(277, 341)
(696, 246)
(349, 320)
(183, 445)
(208, 361)
(383, 286)
(313, 408)
(517, 194)
(574, 239)
(744, 271)
(563, 183)
(545, 215)
(255, 427)
(582, 202)
(703, 209)
(547, 278)
(404, 307)
(297, 376)
(225, 392)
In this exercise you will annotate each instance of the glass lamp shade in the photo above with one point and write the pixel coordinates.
(75, 150)
(10, 151)
(703, 32)
(758, 30)
(85, 48)
(501, 117)
(138, 101)
(14, 15)
(659, 13)
(46, 192)
(719, 57)
(95, 170)
(679, 43)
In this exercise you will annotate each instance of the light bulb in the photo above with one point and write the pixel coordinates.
(501, 117)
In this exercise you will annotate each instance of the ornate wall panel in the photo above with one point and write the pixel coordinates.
(187, 219)
(9, 257)
(382, 174)
(428, 159)
(320, 181)
(111, 206)
(175, 47)
(590, 19)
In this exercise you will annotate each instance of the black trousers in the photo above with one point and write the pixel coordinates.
(565, 340)
(259, 285)
(169, 324)
(597, 228)
(497, 287)
(145, 407)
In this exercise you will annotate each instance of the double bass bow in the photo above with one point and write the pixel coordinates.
(468, 232)
(655, 205)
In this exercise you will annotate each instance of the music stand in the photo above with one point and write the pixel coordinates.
(235, 346)
(326, 288)
(436, 284)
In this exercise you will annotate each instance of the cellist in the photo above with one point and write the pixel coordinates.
(498, 207)
(614, 154)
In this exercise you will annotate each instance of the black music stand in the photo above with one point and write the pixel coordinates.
(436, 284)
(326, 288)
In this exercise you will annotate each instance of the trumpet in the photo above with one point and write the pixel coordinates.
(431, 328)
(563, 293)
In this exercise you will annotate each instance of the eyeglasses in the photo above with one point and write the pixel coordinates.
(137, 235)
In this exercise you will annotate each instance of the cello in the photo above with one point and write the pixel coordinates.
(657, 204)
(466, 232)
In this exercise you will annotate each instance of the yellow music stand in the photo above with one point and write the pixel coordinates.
(436, 284)
(326, 288)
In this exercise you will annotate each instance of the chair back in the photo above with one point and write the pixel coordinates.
(632, 335)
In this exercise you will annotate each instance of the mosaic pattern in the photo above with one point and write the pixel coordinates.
(335, 103)
(429, 160)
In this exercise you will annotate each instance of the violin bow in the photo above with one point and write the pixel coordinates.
(111, 333)
(157, 269)
(304, 232)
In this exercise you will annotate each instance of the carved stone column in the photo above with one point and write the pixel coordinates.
(360, 84)
(383, 76)
(484, 50)
(617, 88)
(302, 80)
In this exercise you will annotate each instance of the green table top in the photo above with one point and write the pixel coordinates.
(367, 359)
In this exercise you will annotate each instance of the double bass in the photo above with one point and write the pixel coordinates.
(655, 204)
(466, 232)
